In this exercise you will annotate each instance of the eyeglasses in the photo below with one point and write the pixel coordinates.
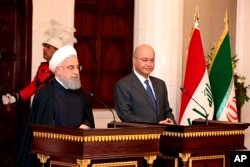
(145, 60)
(72, 67)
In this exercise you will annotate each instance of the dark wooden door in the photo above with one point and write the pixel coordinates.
(104, 30)
(15, 72)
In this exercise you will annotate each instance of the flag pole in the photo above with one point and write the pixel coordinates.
(226, 20)
(196, 17)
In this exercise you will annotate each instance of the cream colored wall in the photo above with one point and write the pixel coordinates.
(166, 26)
(43, 12)
(160, 24)
(243, 52)
(211, 21)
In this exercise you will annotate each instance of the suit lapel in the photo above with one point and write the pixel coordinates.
(140, 88)
(138, 85)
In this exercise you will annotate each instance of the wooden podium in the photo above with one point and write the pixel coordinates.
(202, 145)
(199, 145)
(76, 147)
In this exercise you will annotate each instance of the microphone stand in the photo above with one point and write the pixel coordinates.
(114, 121)
(206, 114)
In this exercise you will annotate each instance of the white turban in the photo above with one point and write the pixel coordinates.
(60, 55)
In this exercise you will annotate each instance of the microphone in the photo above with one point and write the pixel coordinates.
(114, 121)
(206, 114)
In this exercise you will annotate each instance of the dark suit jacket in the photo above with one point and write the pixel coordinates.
(133, 104)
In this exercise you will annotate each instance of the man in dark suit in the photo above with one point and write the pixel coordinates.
(135, 101)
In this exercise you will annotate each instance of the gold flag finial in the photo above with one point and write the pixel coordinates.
(196, 17)
(226, 20)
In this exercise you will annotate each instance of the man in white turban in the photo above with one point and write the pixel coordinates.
(62, 102)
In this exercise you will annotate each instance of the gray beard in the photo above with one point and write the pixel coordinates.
(73, 83)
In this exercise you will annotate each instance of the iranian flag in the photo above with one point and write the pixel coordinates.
(196, 101)
(222, 81)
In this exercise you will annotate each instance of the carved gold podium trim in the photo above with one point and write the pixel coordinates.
(66, 164)
(115, 164)
(43, 158)
(198, 158)
(203, 134)
(106, 138)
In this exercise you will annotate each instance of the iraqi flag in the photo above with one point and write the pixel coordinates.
(196, 101)
(222, 81)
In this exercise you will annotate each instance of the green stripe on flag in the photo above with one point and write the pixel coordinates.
(220, 72)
